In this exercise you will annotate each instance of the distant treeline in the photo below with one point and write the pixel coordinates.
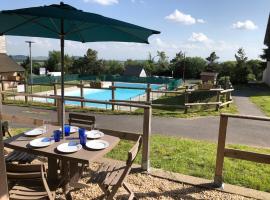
(241, 70)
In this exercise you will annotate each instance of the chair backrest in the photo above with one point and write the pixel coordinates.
(82, 120)
(133, 152)
(24, 171)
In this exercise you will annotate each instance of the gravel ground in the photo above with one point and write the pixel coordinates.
(148, 187)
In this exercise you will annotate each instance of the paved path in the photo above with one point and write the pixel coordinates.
(239, 131)
(244, 105)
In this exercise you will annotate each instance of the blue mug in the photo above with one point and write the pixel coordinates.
(56, 135)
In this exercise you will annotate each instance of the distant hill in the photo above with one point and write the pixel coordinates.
(20, 58)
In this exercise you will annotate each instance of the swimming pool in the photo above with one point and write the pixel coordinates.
(106, 95)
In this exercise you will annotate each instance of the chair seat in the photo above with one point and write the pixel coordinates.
(20, 157)
(108, 174)
(28, 190)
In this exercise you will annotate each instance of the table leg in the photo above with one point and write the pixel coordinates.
(76, 170)
(66, 178)
(52, 170)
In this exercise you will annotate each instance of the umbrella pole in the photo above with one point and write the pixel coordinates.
(62, 37)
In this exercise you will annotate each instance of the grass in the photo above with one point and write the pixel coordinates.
(197, 158)
(260, 95)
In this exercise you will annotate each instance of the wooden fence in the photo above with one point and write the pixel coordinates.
(234, 153)
(227, 98)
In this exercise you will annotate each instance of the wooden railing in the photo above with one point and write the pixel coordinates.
(219, 93)
(234, 153)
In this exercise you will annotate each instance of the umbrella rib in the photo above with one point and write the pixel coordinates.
(53, 23)
(21, 24)
(133, 35)
(82, 29)
(79, 34)
(42, 25)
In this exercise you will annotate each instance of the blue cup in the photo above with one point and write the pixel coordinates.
(67, 129)
(57, 135)
(82, 136)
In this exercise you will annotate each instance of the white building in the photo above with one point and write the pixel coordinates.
(266, 73)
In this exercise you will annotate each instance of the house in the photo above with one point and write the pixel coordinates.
(9, 69)
(207, 77)
(137, 71)
(266, 73)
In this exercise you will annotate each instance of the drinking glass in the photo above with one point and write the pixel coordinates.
(82, 136)
(67, 129)
(57, 135)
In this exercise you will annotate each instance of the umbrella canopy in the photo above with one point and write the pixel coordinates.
(45, 21)
(65, 22)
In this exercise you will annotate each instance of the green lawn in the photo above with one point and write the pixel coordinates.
(261, 97)
(197, 158)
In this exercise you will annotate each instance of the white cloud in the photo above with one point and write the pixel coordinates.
(198, 37)
(180, 17)
(246, 25)
(103, 2)
(201, 21)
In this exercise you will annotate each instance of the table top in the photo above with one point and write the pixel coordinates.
(21, 142)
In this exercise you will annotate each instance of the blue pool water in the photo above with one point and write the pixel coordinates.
(106, 95)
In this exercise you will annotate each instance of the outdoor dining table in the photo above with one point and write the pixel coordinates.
(70, 169)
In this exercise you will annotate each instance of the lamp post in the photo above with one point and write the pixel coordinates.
(31, 67)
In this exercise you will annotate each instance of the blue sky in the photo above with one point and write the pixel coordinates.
(196, 27)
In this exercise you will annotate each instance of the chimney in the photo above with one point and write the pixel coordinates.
(3, 44)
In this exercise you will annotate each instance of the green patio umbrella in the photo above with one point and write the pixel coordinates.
(65, 22)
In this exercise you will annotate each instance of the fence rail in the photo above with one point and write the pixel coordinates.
(234, 153)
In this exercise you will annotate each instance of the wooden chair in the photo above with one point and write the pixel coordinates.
(28, 181)
(81, 120)
(18, 156)
(111, 176)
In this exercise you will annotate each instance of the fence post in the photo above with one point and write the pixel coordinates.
(58, 109)
(220, 150)
(113, 95)
(228, 98)
(3, 173)
(148, 92)
(55, 93)
(186, 101)
(146, 138)
(26, 91)
(218, 100)
(82, 94)
(2, 89)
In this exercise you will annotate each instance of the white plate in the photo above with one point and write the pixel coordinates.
(35, 132)
(73, 129)
(41, 142)
(69, 147)
(94, 134)
(97, 144)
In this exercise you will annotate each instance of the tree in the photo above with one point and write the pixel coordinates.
(266, 53)
(53, 64)
(212, 62)
(162, 64)
(88, 64)
(113, 67)
(242, 70)
(176, 63)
